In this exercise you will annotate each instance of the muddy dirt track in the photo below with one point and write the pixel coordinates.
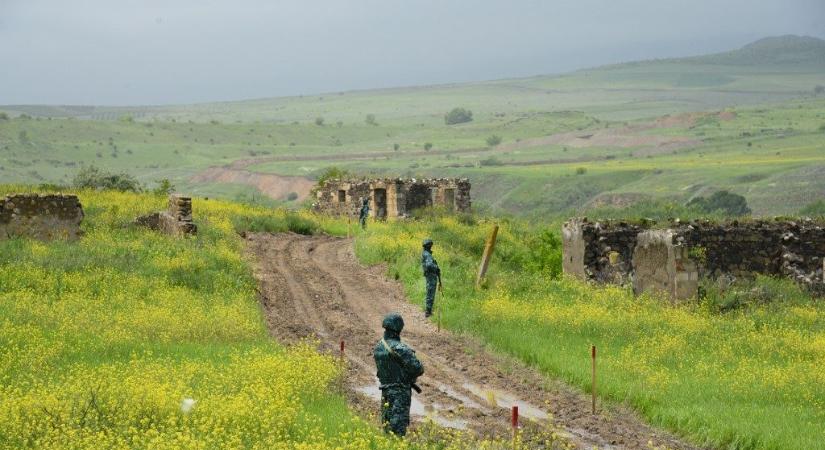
(313, 285)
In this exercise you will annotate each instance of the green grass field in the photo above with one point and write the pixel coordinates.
(769, 146)
(751, 378)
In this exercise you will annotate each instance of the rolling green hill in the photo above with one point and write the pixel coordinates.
(661, 131)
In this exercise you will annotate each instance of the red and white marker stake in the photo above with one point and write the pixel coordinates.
(514, 423)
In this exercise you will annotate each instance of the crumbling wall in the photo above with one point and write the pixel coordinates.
(40, 216)
(662, 264)
(175, 221)
(606, 251)
(391, 197)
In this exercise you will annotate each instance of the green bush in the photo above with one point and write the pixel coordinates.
(370, 119)
(333, 173)
(91, 177)
(164, 187)
(319, 121)
(581, 170)
(493, 140)
(428, 146)
(722, 201)
(458, 115)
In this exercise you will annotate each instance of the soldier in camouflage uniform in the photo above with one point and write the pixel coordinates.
(398, 368)
(432, 274)
(364, 212)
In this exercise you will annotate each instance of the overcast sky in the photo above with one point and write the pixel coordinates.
(120, 52)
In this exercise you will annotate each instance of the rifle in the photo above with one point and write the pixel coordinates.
(392, 353)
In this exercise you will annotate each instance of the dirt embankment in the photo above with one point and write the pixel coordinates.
(274, 186)
(313, 286)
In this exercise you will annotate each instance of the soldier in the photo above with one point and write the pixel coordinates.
(398, 368)
(432, 274)
(365, 212)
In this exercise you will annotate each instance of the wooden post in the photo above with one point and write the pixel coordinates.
(342, 351)
(485, 257)
(593, 357)
(349, 226)
(514, 424)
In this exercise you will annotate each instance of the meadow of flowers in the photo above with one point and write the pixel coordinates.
(753, 377)
(131, 339)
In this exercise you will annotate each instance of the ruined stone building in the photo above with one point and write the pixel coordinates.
(175, 221)
(40, 216)
(673, 258)
(392, 197)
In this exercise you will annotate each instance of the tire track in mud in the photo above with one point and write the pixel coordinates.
(313, 286)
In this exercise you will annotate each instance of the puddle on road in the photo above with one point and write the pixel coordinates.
(418, 409)
(505, 399)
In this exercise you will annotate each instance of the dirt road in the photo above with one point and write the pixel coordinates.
(313, 285)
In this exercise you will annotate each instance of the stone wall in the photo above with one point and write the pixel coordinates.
(175, 221)
(391, 197)
(600, 251)
(661, 263)
(606, 252)
(40, 216)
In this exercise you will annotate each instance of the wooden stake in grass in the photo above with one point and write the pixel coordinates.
(593, 358)
(342, 351)
(485, 257)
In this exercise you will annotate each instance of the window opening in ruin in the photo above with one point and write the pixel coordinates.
(342, 196)
(379, 197)
(449, 199)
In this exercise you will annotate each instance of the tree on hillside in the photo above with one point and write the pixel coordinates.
(4, 116)
(91, 177)
(370, 119)
(333, 173)
(493, 140)
(458, 115)
(319, 121)
(818, 89)
(722, 201)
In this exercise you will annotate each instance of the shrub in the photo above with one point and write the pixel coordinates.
(395, 147)
(491, 161)
(319, 121)
(818, 89)
(23, 137)
(458, 115)
(581, 170)
(164, 187)
(91, 177)
(428, 146)
(493, 140)
(370, 119)
(722, 201)
(4, 116)
(332, 173)
(292, 196)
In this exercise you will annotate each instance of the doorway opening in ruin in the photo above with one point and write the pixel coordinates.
(379, 196)
(342, 196)
(449, 199)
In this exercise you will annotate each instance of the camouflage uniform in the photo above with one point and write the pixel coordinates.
(432, 273)
(398, 368)
(364, 213)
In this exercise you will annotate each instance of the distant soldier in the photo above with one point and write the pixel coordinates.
(398, 368)
(432, 274)
(364, 213)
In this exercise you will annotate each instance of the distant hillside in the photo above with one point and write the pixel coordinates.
(776, 51)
